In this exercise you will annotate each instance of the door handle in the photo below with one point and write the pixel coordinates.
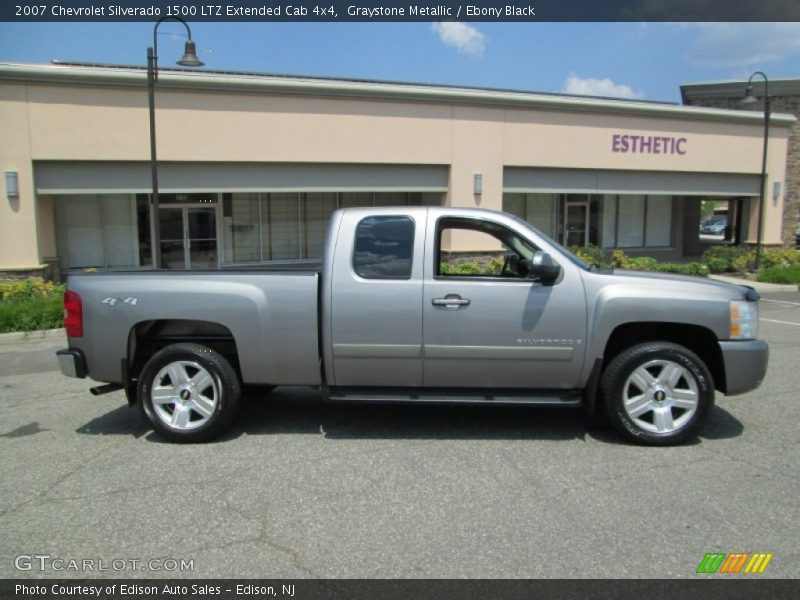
(451, 301)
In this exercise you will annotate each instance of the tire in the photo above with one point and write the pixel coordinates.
(657, 393)
(189, 392)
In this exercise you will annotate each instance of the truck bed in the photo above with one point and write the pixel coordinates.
(271, 314)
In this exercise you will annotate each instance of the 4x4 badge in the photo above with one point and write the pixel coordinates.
(114, 301)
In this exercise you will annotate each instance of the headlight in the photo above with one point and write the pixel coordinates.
(744, 320)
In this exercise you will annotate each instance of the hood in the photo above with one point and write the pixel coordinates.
(741, 291)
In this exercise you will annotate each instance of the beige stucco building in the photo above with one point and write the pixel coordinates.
(251, 166)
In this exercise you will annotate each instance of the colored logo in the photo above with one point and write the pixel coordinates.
(735, 562)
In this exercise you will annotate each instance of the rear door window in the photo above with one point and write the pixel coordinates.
(384, 247)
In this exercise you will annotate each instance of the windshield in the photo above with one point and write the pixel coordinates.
(570, 256)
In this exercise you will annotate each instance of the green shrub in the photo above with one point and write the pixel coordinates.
(721, 259)
(780, 274)
(780, 257)
(642, 263)
(465, 268)
(31, 305)
(591, 255)
(620, 260)
(696, 269)
(745, 262)
(718, 265)
(723, 254)
(494, 266)
(29, 288)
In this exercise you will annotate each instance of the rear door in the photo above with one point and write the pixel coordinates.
(486, 325)
(375, 303)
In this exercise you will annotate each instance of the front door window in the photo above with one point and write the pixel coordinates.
(202, 229)
(576, 224)
(173, 254)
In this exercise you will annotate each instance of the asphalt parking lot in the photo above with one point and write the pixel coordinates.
(305, 489)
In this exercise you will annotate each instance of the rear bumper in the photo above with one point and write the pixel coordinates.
(72, 363)
(745, 365)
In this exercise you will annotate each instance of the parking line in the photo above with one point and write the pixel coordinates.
(781, 302)
(781, 322)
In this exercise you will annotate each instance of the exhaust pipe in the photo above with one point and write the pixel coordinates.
(105, 389)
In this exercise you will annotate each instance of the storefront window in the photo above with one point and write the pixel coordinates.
(281, 227)
(637, 221)
(240, 213)
(355, 199)
(317, 210)
(536, 209)
(390, 199)
(659, 221)
(259, 227)
(99, 230)
(609, 204)
(630, 222)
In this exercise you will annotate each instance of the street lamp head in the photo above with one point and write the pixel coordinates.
(749, 98)
(189, 58)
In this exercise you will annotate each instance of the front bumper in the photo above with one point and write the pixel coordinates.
(745, 365)
(72, 363)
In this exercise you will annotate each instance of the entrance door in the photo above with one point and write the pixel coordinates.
(576, 224)
(188, 237)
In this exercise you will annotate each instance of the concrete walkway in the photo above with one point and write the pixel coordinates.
(46, 334)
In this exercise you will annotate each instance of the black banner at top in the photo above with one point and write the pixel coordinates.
(411, 10)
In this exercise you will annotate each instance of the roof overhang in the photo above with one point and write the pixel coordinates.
(273, 84)
(735, 89)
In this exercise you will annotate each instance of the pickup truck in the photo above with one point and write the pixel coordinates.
(423, 305)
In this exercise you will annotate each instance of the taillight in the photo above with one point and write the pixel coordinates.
(73, 314)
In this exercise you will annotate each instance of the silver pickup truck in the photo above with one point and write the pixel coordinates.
(417, 304)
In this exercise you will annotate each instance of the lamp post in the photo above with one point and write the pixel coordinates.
(748, 100)
(189, 59)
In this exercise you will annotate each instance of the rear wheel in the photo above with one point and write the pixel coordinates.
(658, 393)
(189, 392)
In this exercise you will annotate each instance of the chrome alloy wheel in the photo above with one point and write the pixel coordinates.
(660, 396)
(184, 395)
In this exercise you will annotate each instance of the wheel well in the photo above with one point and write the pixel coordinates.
(700, 340)
(148, 337)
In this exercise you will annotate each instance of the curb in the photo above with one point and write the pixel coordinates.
(33, 336)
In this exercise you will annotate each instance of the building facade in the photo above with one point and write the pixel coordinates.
(252, 166)
(785, 98)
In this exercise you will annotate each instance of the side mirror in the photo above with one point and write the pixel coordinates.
(544, 267)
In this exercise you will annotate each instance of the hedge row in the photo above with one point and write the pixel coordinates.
(776, 264)
(31, 305)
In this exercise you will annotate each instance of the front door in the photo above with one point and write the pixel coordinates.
(485, 325)
(188, 237)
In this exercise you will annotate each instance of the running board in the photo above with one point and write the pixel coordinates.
(571, 398)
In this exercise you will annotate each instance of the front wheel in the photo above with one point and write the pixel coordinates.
(189, 392)
(658, 393)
